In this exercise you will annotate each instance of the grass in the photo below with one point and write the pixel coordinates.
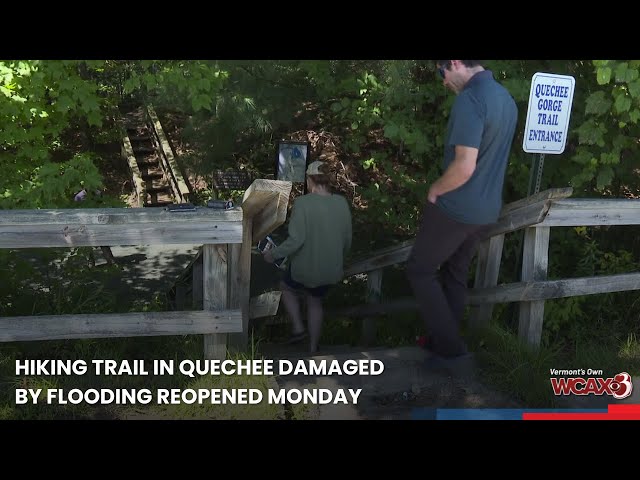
(524, 373)
(513, 368)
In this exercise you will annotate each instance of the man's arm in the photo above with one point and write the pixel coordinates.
(457, 174)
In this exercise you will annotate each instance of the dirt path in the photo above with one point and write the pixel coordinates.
(405, 390)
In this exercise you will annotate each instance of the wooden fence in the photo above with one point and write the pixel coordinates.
(536, 215)
(227, 237)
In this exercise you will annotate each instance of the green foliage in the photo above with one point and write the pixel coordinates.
(54, 184)
(607, 129)
(235, 109)
(592, 132)
(42, 101)
(603, 75)
(598, 104)
(193, 84)
(577, 253)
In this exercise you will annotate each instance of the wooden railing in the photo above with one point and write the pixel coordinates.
(265, 220)
(168, 161)
(536, 215)
(227, 237)
(126, 151)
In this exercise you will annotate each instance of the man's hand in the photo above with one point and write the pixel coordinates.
(268, 256)
(457, 173)
(432, 196)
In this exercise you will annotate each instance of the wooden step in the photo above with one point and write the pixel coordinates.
(159, 196)
(136, 130)
(157, 188)
(156, 184)
(164, 195)
(151, 175)
(148, 163)
(141, 149)
(147, 169)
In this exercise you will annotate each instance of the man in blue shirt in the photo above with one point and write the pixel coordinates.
(461, 204)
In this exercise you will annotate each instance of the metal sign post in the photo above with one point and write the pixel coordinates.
(545, 132)
(535, 179)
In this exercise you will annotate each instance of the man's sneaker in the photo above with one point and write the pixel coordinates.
(459, 366)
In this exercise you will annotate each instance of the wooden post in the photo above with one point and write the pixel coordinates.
(240, 285)
(488, 268)
(215, 295)
(265, 203)
(197, 283)
(535, 262)
(264, 208)
(374, 293)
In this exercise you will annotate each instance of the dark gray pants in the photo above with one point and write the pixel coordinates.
(438, 270)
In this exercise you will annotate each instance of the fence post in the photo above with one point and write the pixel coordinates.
(197, 284)
(240, 284)
(487, 270)
(215, 281)
(535, 262)
(264, 208)
(374, 293)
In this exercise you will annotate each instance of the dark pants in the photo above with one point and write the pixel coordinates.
(438, 270)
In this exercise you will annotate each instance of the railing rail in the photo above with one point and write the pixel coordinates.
(168, 161)
(535, 215)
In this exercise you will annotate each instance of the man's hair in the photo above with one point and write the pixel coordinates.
(466, 63)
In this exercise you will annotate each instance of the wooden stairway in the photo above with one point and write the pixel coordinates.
(156, 175)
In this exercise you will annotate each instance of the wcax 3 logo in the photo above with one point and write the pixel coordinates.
(587, 383)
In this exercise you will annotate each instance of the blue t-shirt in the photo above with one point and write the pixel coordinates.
(483, 116)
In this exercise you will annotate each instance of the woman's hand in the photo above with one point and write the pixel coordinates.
(268, 256)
